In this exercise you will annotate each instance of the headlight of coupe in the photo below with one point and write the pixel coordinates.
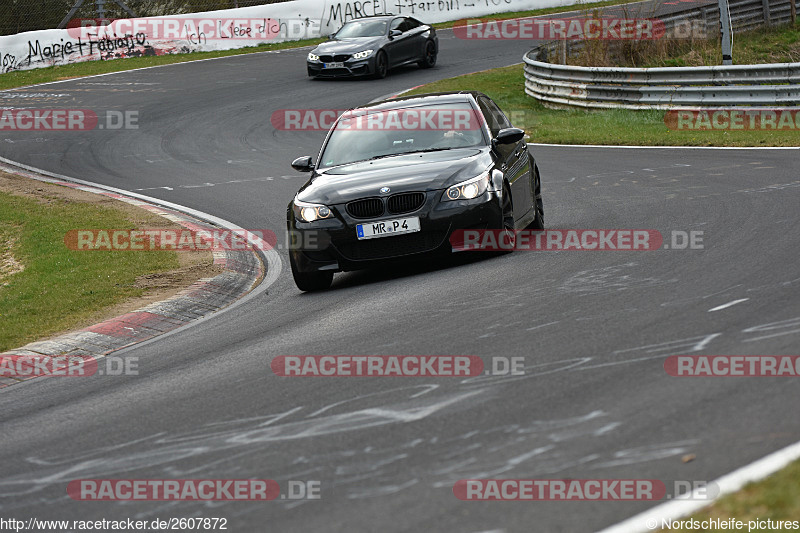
(313, 57)
(467, 190)
(310, 212)
(362, 55)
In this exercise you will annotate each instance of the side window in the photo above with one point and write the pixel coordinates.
(502, 120)
(413, 23)
(397, 25)
(407, 24)
(494, 118)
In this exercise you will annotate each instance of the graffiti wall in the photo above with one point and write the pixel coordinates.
(92, 40)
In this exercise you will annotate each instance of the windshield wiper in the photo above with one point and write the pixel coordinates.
(411, 152)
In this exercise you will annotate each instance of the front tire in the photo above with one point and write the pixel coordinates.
(506, 237)
(536, 186)
(381, 65)
(310, 281)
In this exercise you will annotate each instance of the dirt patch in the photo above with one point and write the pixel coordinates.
(160, 286)
(8, 263)
(49, 194)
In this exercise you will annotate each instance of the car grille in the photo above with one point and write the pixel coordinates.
(405, 203)
(337, 58)
(366, 208)
(396, 205)
(394, 246)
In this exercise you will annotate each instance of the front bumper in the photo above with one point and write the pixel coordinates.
(332, 244)
(353, 68)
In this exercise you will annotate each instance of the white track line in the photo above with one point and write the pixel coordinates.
(727, 484)
(729, 304)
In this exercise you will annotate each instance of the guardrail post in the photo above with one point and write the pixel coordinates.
(794, 12)
(765, 10)
(725, 28)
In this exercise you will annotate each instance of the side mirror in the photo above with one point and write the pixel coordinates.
(332, 37)
(303, 164)
(395, 33)
(508, 136)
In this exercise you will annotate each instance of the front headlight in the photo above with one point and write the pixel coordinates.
(310, 212)
(362, 55)
(467, 190)
(313, 57)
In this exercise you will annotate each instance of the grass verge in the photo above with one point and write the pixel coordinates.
(774, 498)
(570, 126)
(46, 288)
(761, 45)
(22, 78)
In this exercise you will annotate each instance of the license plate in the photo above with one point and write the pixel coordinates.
(385, 228)
(333, 65)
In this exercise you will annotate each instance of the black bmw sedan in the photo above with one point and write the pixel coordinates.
(371, 46)
(398, 178)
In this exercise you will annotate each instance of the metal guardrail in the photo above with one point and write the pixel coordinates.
(745, 14)
(663, 88)
(775, 84)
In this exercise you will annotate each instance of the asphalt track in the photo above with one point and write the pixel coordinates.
(594, 327)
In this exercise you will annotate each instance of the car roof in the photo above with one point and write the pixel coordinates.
(450, 97)
(375, 17)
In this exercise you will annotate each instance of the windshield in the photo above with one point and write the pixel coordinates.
(365, 135)
(362, 28)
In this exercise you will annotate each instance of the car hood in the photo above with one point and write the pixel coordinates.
(404, 173)
(347, 46)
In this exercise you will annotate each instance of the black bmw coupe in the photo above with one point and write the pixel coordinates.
(371, 46)
(397, 178)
